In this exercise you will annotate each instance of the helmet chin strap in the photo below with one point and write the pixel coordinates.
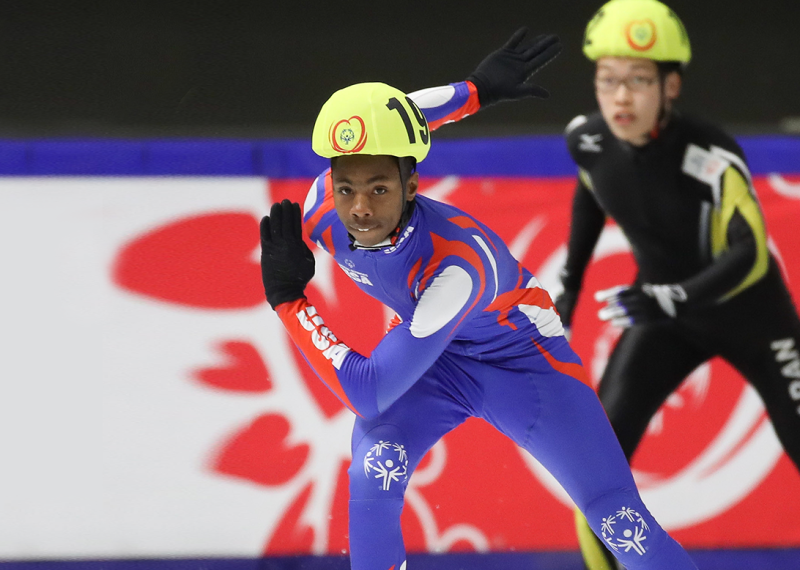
(407, 206)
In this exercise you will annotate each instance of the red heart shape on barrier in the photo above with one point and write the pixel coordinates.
(245, 371)
(260, 453)
(201, 261)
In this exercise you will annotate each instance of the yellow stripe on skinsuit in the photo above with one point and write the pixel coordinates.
(593, 555)
(736, 195)
(585, 178)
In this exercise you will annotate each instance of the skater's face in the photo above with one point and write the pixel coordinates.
(368, 195)
(631, 95)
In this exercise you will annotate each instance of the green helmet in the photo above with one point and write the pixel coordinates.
(637, 28)
(371, 118)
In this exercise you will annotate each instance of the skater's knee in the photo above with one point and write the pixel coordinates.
(379, 469)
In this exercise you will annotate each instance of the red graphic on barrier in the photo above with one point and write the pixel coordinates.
(293, 535)
(469, 492)
(245, 371)
(205, 261)
(259, 453)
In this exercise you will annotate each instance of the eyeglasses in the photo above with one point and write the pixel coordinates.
(609, 84)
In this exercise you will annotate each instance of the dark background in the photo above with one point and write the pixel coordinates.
(262, 68)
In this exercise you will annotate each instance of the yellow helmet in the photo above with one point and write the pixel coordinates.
(637, 28)
(371, 118)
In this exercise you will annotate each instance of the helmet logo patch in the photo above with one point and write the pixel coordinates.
(641, 34)
(348, 135)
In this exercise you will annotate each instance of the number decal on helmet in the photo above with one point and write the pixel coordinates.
(424, 133)
(395, 105)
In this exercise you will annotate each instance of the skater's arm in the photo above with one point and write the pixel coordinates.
(502, 76)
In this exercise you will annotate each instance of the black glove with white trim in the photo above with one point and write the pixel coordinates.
(503, 74)
(287, 264)
(626, 306)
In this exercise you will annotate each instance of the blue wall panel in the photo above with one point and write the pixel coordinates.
(542, 156)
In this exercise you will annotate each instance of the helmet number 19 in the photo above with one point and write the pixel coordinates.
(424, 133)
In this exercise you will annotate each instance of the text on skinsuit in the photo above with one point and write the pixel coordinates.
(785, 351)
(321, 336)
(356, 276)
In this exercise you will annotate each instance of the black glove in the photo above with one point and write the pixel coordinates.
(648, 303)
(502, 75)
(287, 264)
(565, 305)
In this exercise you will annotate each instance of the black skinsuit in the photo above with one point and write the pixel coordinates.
(686, 203)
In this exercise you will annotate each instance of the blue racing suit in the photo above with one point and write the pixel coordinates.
(478, 336)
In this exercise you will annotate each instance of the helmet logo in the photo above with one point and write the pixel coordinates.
(641, 34)
(348, 135)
